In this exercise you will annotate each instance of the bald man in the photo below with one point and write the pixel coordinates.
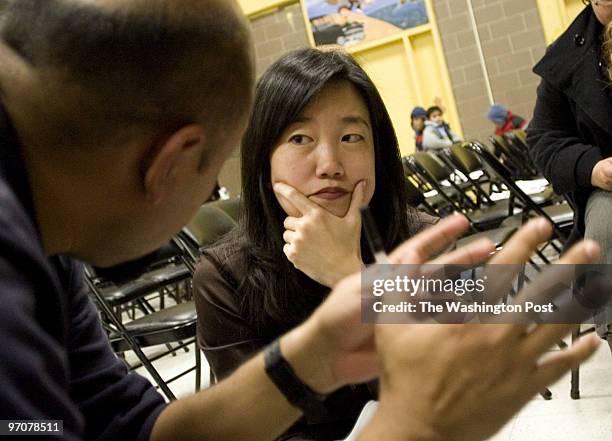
(115, 118)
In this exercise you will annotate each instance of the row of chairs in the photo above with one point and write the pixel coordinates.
(470, 179)
(148, 302)
(491, 186)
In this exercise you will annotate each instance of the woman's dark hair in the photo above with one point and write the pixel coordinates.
(272, 290)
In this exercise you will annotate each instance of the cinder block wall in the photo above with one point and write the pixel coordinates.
(512, 41)
(277, 33)
(274, 34)
(511, 36)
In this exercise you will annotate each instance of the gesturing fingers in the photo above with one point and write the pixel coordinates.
(559, 363)
(516, 252)
(471, 254)
(524, 242)
(424, 245)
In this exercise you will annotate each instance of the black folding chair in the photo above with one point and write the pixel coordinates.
(417, 199)
(513, 158)
(437, 202)
(560, 215)
(517, 144)
(173, 326)
(483, 213)
(209, 224)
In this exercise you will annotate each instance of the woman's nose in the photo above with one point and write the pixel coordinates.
(329, 162)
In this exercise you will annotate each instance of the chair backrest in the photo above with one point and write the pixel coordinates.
(488, 157)
(123, 272)
(464, 159)
(433, 166)
(209, 224)
(507, 178)
(232, 207)
(520, 134)
(415, 196)
(518, 145)
(510, 157)
(413, 175)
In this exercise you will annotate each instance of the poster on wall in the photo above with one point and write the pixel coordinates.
(352, 22)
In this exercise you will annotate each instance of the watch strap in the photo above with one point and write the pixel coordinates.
(297, 393)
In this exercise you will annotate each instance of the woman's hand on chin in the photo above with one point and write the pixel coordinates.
(322, 245)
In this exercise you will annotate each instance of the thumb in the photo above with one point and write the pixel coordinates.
(357, 200)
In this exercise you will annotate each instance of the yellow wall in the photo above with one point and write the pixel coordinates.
(253, 7)
(389, 68)
(409, 69)
(557, 15)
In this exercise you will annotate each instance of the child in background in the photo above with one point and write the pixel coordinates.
(437, 134)
(417, 122)
(504, 120)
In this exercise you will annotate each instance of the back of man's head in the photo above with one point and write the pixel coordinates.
(104, 70)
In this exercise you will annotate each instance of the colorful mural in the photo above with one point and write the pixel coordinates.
(353, 22)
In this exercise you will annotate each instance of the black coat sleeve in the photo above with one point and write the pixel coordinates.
(555, 143)
(79, 381)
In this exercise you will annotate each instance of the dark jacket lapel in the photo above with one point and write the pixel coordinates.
(581, 42)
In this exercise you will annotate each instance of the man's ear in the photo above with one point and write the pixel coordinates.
(163, 159)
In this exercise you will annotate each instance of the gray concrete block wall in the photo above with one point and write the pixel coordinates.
(277, 33)
(274, 34)
(512, 40)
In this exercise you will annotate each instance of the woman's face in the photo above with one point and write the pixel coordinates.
(603, 11)
(327, 151)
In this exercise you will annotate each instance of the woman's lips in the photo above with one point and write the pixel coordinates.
(331, 194)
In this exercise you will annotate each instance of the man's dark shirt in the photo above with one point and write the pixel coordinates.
(55, 359)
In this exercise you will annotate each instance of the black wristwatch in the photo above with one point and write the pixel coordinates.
(297, 393)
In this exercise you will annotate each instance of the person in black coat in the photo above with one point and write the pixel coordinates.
(570, 136)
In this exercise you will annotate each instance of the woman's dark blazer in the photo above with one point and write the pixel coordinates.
(571, 129)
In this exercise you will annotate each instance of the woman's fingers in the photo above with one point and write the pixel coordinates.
(295, 198)
(358, 199)
(291, 223)
(554, 282)
(289, 236)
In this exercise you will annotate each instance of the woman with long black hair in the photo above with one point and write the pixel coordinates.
(319, 145)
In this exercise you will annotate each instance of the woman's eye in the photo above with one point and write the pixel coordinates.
(299, 139)
(353, 137)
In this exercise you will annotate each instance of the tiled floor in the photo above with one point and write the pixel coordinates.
(560, 419)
